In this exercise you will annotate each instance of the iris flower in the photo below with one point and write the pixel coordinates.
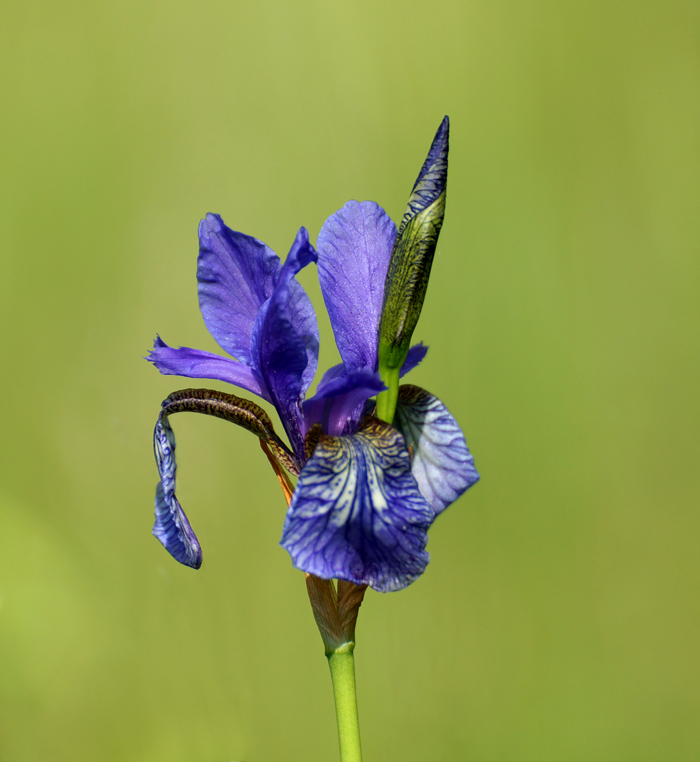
(367, 491)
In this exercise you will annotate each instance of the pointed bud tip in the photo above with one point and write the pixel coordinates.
(439, 149)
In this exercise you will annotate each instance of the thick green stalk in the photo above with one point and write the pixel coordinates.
(386, 401)
(342, 664)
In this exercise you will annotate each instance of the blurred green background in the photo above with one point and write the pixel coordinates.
(558, 619)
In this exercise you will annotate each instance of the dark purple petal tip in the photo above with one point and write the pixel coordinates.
(432, 179)
(415, 356)
(194, 363)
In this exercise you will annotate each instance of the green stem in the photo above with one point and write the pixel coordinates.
(342, 664)
(386, 401)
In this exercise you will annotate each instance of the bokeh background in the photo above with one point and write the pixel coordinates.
(558, 619)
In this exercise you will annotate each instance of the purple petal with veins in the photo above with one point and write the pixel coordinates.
(441, 462)
(172, 527)
(287, 358)
(236, 275)
(354, 249)
(357, 514)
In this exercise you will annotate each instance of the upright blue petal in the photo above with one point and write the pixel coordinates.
(354, 249)
(301, 312)
(357, 513)
(236, 275)
(194, 363)
(285, 340)
(172, 527)
(441, 462)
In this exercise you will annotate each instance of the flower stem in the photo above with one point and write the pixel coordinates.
(342, 664)
(386, 401)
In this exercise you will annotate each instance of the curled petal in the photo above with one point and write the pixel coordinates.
(242, 412)
(334, 372)
(354, 249)
(441, 462)
(172, 527)
(357, 513)
(337, 406)
(236, 275)
(193, 363)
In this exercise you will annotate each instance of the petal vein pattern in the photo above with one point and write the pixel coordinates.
(357, 513)
(354, 249)
(441, 462)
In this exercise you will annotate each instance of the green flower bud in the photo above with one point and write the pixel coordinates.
(409, 268)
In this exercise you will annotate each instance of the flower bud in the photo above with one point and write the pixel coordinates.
(409, 268)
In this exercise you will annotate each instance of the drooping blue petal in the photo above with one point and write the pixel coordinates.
(354, 249)
(441, 463)
(236, 274)
(285, 340)
(337, 406)
(172, 527)
(357, 513)
(194, 363)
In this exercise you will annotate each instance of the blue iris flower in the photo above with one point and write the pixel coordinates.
(367, 491)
